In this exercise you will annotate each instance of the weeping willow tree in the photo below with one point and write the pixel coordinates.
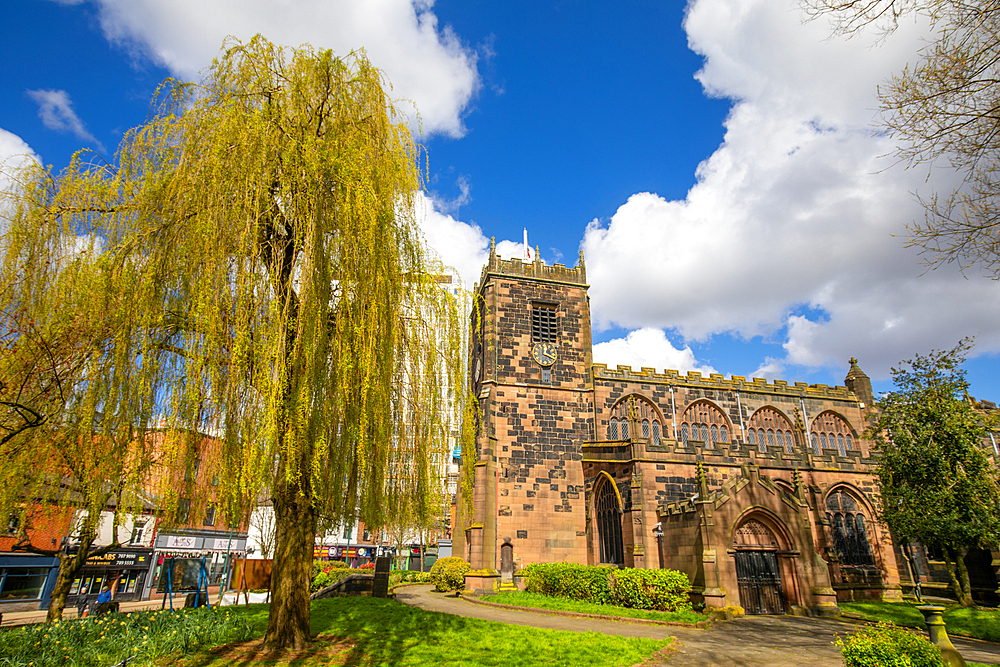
(260, 228)
(75, 397)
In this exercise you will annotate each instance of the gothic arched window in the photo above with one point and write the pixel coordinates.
(773, 429)
(850, 535)
(646, 421)
(609, 523)
(707, 423)
(834, 433)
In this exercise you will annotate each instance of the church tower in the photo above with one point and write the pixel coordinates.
(529, 362)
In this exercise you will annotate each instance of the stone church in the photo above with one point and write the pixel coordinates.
(758, 490)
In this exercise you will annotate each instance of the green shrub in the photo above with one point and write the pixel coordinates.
(454, 575)
(888, 645)
(571, 581)
(437, 572)
(326, 572)
(663, 590)
(320, 581)
(407, 576)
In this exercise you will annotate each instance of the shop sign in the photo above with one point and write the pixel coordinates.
(181, 541)
(120, 559)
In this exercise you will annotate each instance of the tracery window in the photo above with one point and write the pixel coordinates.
(648, 421)
(831, 431)
(847, 522)
(609, 523)
(769, 428)
(706, 423)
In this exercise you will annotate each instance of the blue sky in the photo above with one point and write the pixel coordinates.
(716, 162)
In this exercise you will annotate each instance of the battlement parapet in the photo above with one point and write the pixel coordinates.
(535, 269)
(718, 381)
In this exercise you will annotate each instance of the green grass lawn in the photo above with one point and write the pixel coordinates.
(538, 601)
(976, 623)
(370, 631)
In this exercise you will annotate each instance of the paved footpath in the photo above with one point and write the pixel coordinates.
(752, 641)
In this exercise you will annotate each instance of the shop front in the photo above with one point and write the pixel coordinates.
(217, 548)
(126, 570)
(26, 581)
(354, 556)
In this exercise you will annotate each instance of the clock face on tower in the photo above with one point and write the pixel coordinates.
(544, 354)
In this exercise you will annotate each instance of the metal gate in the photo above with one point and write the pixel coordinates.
(759, 582)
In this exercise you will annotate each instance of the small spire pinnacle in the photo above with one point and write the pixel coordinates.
(858, 382)
(702, 481)
(798, 486)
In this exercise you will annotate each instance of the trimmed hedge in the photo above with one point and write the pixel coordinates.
(438, 572)
(662, 590)
(888, 645)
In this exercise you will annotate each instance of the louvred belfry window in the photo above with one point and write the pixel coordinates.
(769, 428)
(704, 422)
(830, 431)
(645, 421)
(543, 324)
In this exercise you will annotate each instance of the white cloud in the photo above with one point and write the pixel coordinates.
(771, 369)
(445, 205)
(798, 207)
(426, 63)
(647, 348)
(56, 111)
(459, 245)
(14, 150)
(14, 154)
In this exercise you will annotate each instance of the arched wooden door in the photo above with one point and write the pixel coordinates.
(609, 523)
(757, 572)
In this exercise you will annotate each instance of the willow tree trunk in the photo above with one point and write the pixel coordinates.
(69, 567)
(295, 535)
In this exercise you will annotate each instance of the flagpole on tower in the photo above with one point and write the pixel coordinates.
(527, 248)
